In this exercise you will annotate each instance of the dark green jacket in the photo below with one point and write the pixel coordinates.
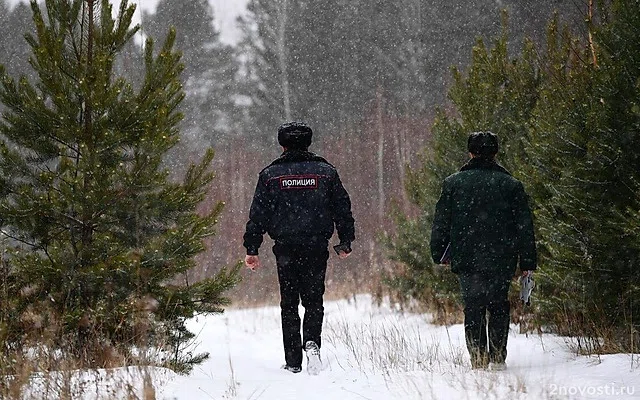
(484, 215)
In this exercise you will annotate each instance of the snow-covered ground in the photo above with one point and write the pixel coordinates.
(375, 353)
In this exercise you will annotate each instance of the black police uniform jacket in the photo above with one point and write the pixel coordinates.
(484, 217)
(299, 199)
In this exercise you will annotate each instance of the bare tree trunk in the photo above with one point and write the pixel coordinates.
(380, 185)
(399, 139)
(282, 58)
(413, 77)
(381, 192)
(590, 20)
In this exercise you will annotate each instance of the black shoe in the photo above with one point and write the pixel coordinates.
(293, 369)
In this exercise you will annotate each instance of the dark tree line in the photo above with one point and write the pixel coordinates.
(326, 62)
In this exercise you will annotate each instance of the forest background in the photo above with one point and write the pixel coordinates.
(391, 88)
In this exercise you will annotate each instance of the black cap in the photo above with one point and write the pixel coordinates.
(483, 144)
(295, 135)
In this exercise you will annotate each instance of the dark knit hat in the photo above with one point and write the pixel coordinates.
(295, 135)
(483, 144)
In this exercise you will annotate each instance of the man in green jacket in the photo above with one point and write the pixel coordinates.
(483, 228)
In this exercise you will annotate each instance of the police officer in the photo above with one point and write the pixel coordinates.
(484, 226)
(298, 201)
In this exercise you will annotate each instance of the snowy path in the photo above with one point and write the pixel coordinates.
(374, 353)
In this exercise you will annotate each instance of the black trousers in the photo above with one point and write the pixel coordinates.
(301, 273)
(486, 316)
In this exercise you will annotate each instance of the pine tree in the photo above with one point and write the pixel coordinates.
(266, 31)
(101, 240)
(587, 180)
(210, 69)
(312, 61)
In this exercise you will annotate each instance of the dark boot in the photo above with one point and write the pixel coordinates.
(475, 332)
(498, 331)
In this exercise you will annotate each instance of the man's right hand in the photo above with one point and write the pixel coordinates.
(343, 254)
(252, 262)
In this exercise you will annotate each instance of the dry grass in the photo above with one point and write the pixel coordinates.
(232, 385)
(389, 344)
(42, 369)
(66, 382)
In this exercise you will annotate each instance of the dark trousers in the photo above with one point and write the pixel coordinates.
(486, 335)
(301, 272)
